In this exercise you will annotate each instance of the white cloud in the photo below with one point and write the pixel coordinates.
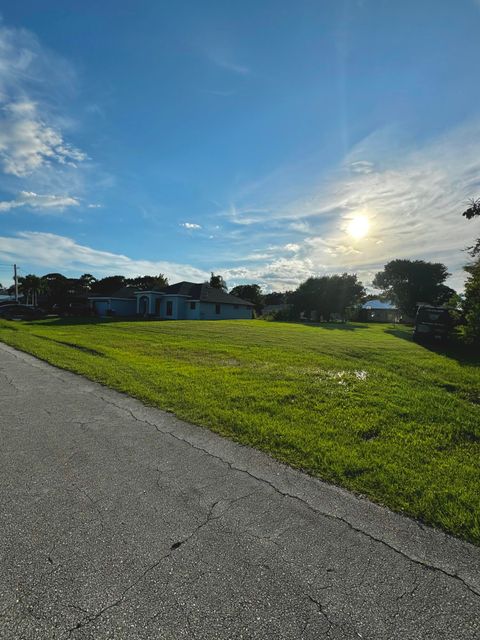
(42, 202)
(93, 205)
(27, 143)
(412, 195)
(35, 87)
(190, 225)
(47, 251)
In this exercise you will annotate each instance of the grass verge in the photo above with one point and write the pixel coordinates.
(358, 405)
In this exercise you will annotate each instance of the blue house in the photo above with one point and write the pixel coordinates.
(180, 301)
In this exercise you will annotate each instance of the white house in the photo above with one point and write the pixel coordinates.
(180, 301)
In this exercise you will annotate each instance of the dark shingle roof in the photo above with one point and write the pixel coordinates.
(203, 292)
(123, 292)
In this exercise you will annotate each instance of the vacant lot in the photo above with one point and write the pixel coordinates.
(359, 405)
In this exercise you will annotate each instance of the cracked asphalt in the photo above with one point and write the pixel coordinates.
(120, 521)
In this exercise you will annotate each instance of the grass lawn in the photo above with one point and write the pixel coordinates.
(358, 405)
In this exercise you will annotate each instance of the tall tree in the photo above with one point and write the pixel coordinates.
(86, 282)
(56, 288)
(408, 282)
(217, 282)
(31, 285)
(471, 304)
(147, 283)
(107, 286)
(250, 292)
(327, 295)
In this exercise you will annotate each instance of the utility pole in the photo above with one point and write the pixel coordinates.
(15, 279)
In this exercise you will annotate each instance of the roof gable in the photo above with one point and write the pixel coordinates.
(203, 292)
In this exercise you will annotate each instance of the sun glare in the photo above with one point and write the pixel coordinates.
(358, 227)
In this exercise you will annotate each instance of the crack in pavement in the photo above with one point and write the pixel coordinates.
(176, 545)
(373, 538)
(321, 610)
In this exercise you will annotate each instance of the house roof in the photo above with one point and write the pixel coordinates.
(378, 304)
(123, 292)
(203, 292)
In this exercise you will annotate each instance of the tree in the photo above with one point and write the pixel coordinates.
(327, 295)
(147, 283)
(217, 282)
(107, 286)
(408, 282)
(86, 282)
(55, 286)
(471, 304)
(250, 292)
(31, 285)
(276, 297)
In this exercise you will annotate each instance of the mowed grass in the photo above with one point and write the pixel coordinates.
(358, 405)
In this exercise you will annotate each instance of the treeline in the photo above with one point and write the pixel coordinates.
(56, 290)
(405, 283)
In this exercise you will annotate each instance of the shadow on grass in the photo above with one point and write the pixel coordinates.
(454, 349)
(341, 326)
(57, 321)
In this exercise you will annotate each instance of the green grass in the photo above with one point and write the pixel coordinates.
(358, 405)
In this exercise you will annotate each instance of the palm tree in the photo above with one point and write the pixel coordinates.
(31, 285)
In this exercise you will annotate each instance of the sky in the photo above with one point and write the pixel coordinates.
(266, 141)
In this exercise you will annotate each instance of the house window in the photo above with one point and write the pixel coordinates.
(169, 308)
(193, 305)
(217, 309)
(235, 306)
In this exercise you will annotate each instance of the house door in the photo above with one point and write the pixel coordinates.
(157, 307)
(143, 306)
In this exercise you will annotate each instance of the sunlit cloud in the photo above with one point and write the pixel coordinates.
(387, 200)
(47, 251)
(36, 201)
(358, 227)
(27, 143)
(36, 151)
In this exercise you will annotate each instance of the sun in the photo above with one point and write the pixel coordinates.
(358, 227)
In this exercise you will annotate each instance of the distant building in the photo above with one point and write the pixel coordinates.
(380, 311)
(275, 308)
(180, 301)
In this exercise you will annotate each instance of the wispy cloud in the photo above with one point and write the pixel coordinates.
(47, 251)
(41, 202)
(222, 61)
(190, 225)
(412, 195)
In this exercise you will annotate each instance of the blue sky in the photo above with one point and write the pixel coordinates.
(239, 137)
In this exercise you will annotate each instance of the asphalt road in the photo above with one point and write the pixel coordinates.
(120, 521)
